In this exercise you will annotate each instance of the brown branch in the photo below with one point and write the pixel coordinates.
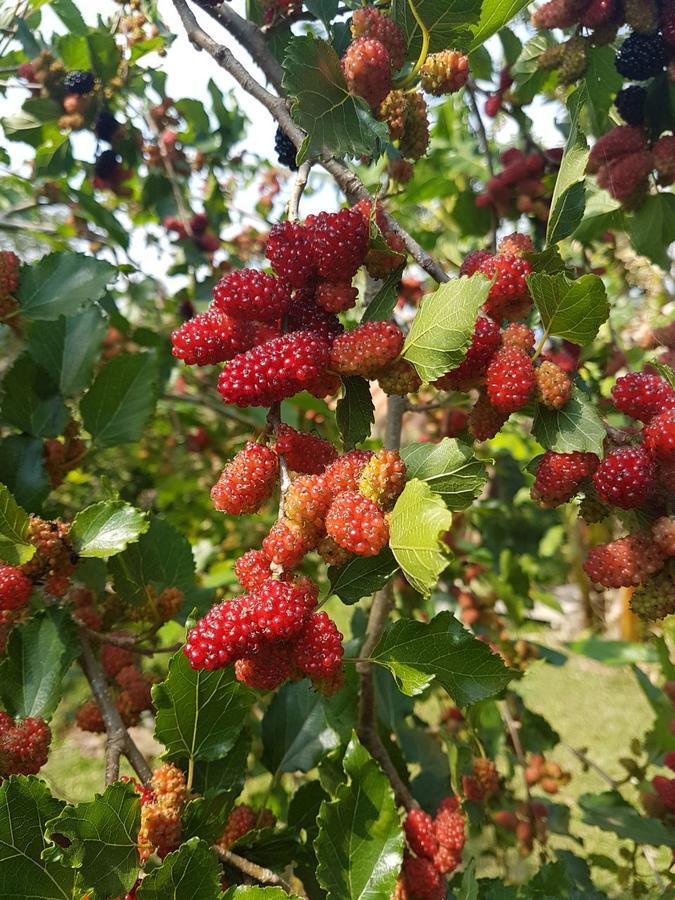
(259, 873)
(350, 184)
(512, 727)
(130, 643)
(119, 741)
(581, 756)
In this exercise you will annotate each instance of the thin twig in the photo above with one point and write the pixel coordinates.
(119, 741)
(581, 756)
(512, 727)
(299, 186)
(259, 873)
(273, 422)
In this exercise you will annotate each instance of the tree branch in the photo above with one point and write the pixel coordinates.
(260, 874)
(119, 741)
(299, 186)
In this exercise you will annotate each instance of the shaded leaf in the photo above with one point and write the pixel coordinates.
(59, 284)
(652, 226)
(254, 892)
(569, 194)
(224, 776)
(443, 327)
(494, 14)
(449, 468)
(68, 347)
(417, 522)
(448, 22)
(31, 400)
(362, 576)
(382, 305)
(610, 812)
(577, 426)
(355, 413)
(14, 546)
(418, 652)
(106, 528)
(570, 309)
(191, 873)
(22, 469)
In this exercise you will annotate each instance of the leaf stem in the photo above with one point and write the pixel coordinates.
(411, 77)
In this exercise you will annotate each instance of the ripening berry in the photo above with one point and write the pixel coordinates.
(485, 342)
(306, 502)
(344, 474)
(249, 294)
(366, 66)
(114, 658)
(422, 879)
(625, 562)
(15, 588)
(663, 152)
(553, 386)
(304, 453)
(357, 524)
(555, 14)
(444, 73)
(510, 379)
(485, 420)
(515, 244)
(659, 436)
(160, 830)
(168, 786)
(393, 110)
(288, 543)
(90, 718)
(415, 139)
(317, 650)
(331, 553)
(627, 178)
(663, 531)
(289, 251)
(305, 315)
(620, 141)
(9, 273)
(665, 788)
(473, 261)
(24, 745)
(368, 348)
(509, 296)
(211, 338)
(383, 478)
(559, 476)
(267, 670)
(517, 334)
(625, 477)
(487, 776)
(275, 370)
(136, 694)
(642, 396)
(247, 481)
(381, 263)
(654, 599)
(369, 22)
(252, 569)
(336, 297)
(339, 243)
(420, 833)
(399, 377)
(241, 820)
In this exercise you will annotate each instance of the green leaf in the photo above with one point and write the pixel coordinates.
(443, 327)
(382, 305)
(448, 22)
(191, 873)
(416, 653)
(610, 812)
(362, 576)
(14, 547)
(449, 468)
(122, 398)
(224, 776)
(22, 470)
(494, 14)
(569, 193)
(39, 654)
(31, 400)
(570, 309)
(254, 892)
(68, 347)
(417, 522)
(200, 714)
(298, 729)
(106, 528)
(528, 78)
(577, 426)
(101, 216)
(25, 807)
(355, 413)
(664, 371)
(70, 16)
(322, 105)
(602, 83)
(161, 557)
(59, 284)
(360, 843)
(652, 226)
(103, 835)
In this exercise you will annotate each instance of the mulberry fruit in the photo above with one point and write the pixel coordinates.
(625, 477)
(246, 482)
(659, 436)
(510, 379)
(304, 453)
(383, 478)
(444, 73)
(211, 338)
(339, 243)
(15, 588)
(641, 56)
(625, 562)
(369, 22)
(249, 294)
(288, 250)
(485, 342)
(642, 396)
(317, 651)
(367, 69)
(509, 297)
(553, 386)
(369, 347)
(559, 476)
(357, 524)
(285, 150)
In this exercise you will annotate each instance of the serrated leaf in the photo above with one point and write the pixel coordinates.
(22, 470)
(443, 327)
(382, 305)
(569, 194)
(449, 468)
(39, 654)
(200, 714)
(359, 847)
(355, 413)
(299, 727)
(103, 836)
(224, 777)
(122, 398)
(652, 226)
(610, 812)
(448, 22)
(571, 309)
(417, 522)
(190, 873)
(25, 807)
(416, 653)
(106, 528)
(68, 347)
(161, 558)
(602, 83)
(362, 576)
(332, 117)
(254, 892)
(664, 371)
(577, 426)
(14, 547)
(59, 284)
(31, 400)
(494, 14)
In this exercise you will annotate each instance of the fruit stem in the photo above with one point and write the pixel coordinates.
(411, 77)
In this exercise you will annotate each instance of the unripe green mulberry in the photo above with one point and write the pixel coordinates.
(655, 599)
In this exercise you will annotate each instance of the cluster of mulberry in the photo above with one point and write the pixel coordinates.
(129, 688)
(24, 745)
(241, 821)
(434, 850)
(196, 229)
(162, 803)
(527, 822)
(521, 188)
(547, 775)
(482, 784)
(623, 161)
